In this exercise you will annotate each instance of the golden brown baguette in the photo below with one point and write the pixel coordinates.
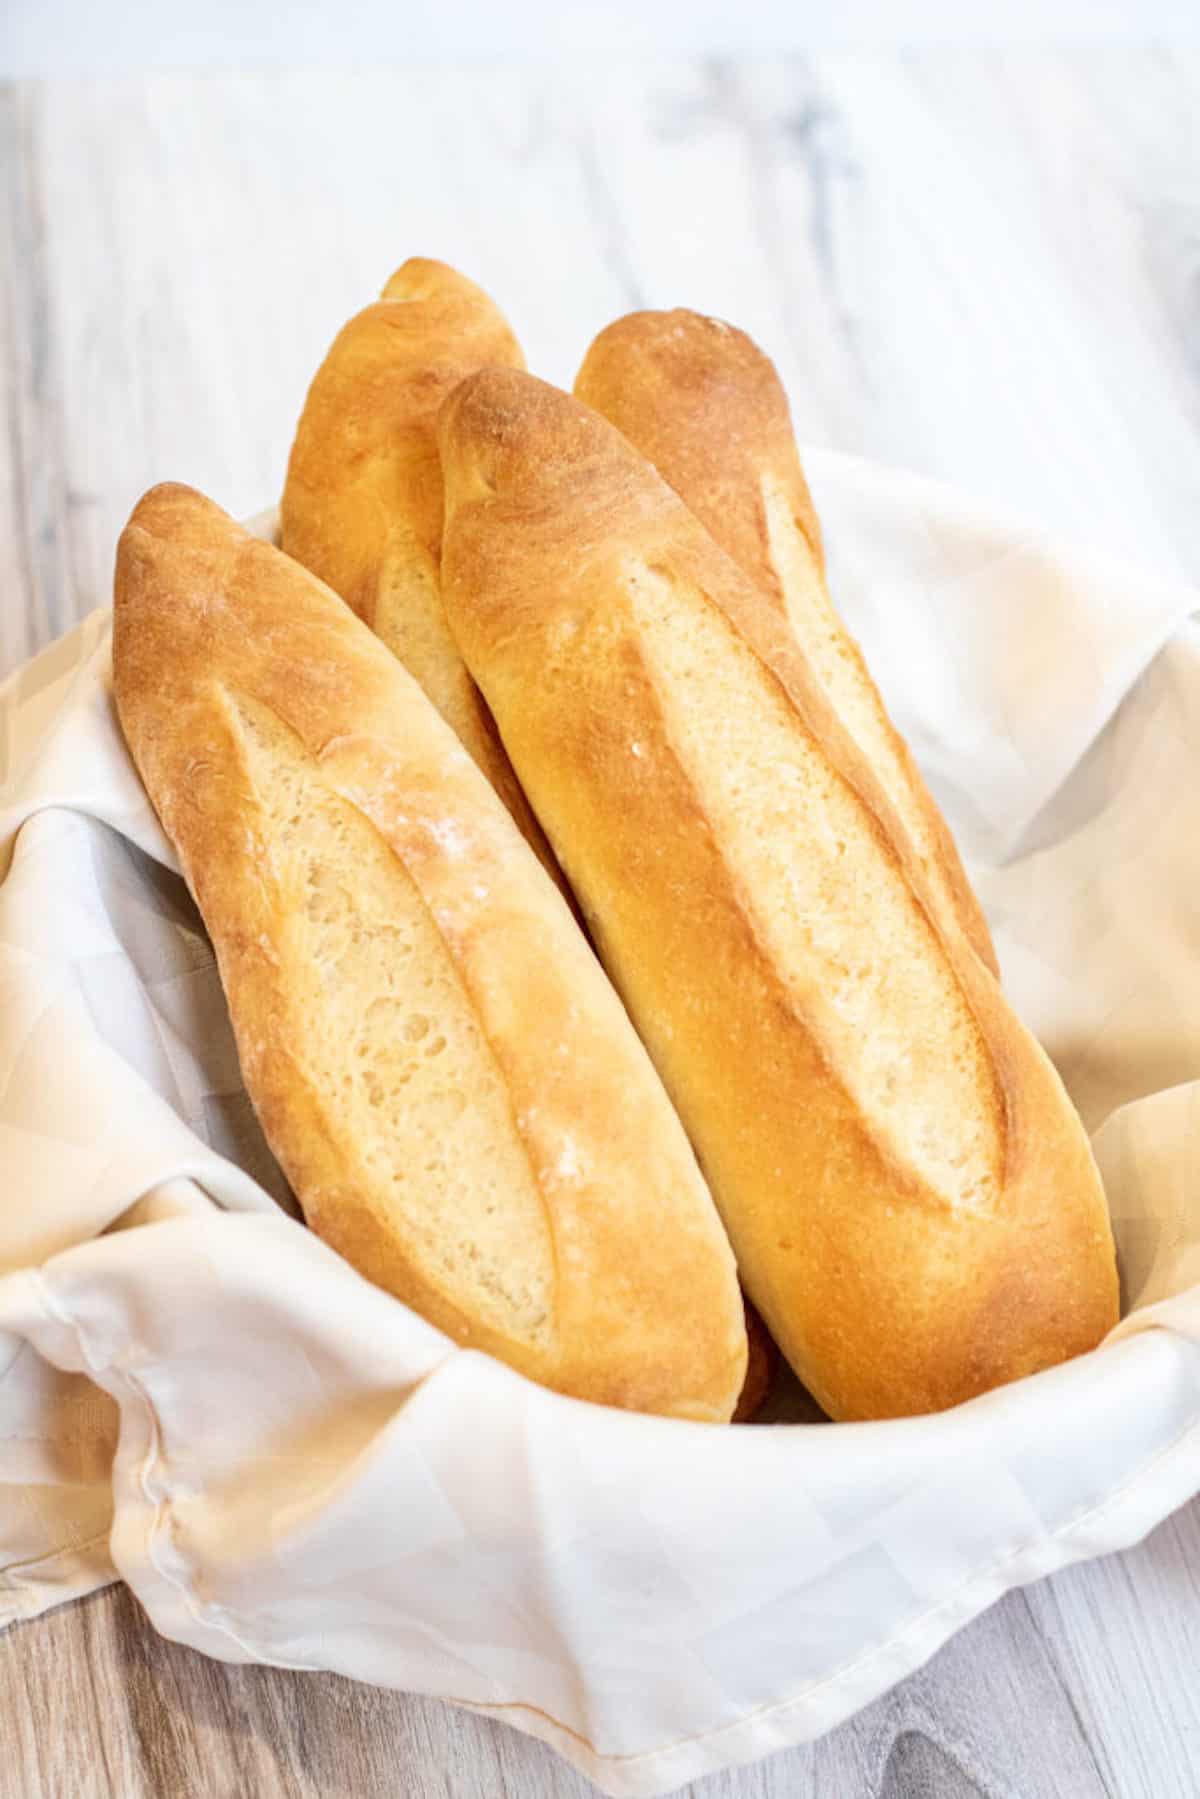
(362, 504)
(441, 1067)
(911, 1198)
(703, 403)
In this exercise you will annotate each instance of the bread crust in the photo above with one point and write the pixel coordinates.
(703, 403)
(890, 1292)
(362, 503)
(212, 627)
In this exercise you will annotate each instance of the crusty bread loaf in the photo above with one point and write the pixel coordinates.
(438, 1061)
(362, 504)
(911, 1198)
(703, 403)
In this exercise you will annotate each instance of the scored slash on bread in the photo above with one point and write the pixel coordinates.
(438, 1061)
(362, 504)
(703, 403)
(911, 1198)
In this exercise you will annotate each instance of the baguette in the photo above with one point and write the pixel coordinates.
(701, 401)
(362, 504)
(439, 1064)
(911, 1198)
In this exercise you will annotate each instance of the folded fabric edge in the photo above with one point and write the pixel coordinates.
(1119, 1522)
(142, 1554)
(1154, 1489)
(73, 1571)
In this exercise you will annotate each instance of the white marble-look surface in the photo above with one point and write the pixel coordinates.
(984, 266)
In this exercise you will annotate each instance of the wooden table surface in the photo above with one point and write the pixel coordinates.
(982, 266)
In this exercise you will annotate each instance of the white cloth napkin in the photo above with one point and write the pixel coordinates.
(289, 1467)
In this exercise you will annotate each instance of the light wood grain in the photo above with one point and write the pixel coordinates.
(983, 266)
